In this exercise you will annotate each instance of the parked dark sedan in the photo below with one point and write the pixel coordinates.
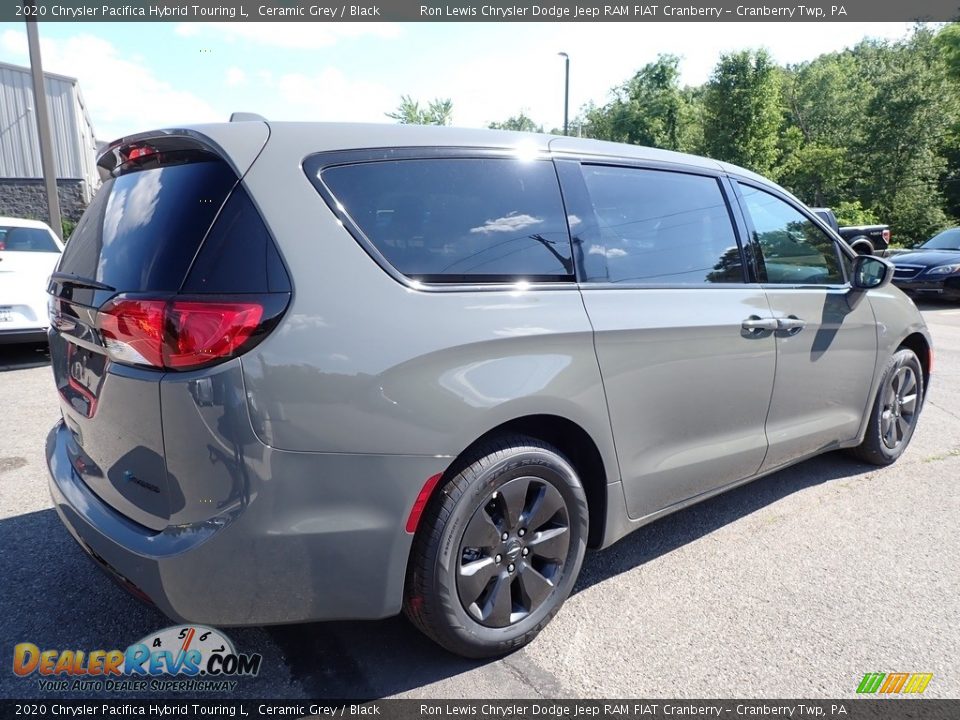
(931, 269)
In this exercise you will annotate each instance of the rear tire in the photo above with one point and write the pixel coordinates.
(862, 246)
(895, 410)
(498, 549)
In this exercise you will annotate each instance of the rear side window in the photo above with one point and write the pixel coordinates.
(143, 228)
(239, 253)
(26, 239)
(658, 227)
(459, 220)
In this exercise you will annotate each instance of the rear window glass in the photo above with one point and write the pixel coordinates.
(143, 228)
(459, 220)
(26, 239)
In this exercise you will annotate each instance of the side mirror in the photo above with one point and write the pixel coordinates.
(871, 272)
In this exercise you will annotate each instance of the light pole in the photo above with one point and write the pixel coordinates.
(47, 161)
(566, 90)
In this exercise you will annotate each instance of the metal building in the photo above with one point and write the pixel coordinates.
(74, 145)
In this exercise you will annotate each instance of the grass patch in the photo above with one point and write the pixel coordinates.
(943, 456)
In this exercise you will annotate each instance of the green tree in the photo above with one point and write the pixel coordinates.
(851, 212)
(948, 44)
(907, 119)
(649, 109)
(520, 122)
(409, 112)
(823, 111)
(742, 111)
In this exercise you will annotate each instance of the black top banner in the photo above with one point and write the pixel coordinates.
(459, 11)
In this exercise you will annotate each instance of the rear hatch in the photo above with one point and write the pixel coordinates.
(170, 270)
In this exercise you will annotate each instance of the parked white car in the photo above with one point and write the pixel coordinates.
(29, 252)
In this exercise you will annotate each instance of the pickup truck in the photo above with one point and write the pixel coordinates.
(865, 239)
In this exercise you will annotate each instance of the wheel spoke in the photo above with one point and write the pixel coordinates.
(895, 381)
(474, 578)
(481, 531)
(496, 610)
(534, 587)
(908, 384)
(551, 544)
(891, 397)
(888, 429)
(546, 504)
(909, 403)
(901, 429)
(513, 498)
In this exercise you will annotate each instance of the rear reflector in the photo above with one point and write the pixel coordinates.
(178, 334)
(420, 504)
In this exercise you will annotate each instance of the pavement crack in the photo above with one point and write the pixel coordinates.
(948, 412)
(540, 681)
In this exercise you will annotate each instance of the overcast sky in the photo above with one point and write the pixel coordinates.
(139, 76)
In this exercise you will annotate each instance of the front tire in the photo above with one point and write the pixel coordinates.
(498, 549)
(895, 410)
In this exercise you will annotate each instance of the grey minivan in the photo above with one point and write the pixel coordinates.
(327, 371)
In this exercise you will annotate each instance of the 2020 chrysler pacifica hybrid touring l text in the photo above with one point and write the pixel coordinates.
(326, 371)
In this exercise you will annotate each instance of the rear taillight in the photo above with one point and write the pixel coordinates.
(202, 331)
(133, 330)
(185, 334)
(885, 234)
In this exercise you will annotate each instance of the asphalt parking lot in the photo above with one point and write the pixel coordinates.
(793, 586)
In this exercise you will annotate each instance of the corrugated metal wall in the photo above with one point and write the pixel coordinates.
(73, 141)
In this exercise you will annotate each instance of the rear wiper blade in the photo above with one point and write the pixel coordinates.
(77, 281)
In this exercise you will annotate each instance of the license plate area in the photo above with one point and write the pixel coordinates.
(85, 372)
(6, 313)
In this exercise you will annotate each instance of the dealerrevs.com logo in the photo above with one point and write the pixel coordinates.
(187, 658)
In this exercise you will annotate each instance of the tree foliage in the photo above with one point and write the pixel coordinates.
(742, 111)
(519, 122)
(409, 112)
(649, 109)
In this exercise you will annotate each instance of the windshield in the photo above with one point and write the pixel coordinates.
(26, 239)
(947, 240)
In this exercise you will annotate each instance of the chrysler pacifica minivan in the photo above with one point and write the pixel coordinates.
(326, 371)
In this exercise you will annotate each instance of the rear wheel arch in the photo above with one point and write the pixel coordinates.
(572, 440)
(862, 245)
(921, 348)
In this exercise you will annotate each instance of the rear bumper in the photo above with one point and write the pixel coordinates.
(23, 335)
(322, 538)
